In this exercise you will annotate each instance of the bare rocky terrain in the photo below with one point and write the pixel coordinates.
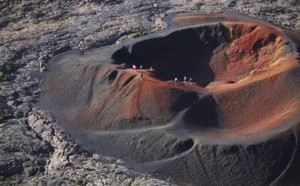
(34, 148)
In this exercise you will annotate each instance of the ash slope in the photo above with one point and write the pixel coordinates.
(232, 125)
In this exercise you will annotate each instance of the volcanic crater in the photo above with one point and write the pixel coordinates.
(240, 109)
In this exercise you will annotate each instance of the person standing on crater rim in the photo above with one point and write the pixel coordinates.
(134, 68)
(190, 80)
(176, 80)
(184, 79)
(142, 75)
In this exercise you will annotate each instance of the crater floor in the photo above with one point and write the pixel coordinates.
(233, 121)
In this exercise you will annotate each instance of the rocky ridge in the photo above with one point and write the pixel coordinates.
(35, 150)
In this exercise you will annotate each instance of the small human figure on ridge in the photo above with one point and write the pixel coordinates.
(142, 75)
(184, 79)
(134, 68)
(176, 80)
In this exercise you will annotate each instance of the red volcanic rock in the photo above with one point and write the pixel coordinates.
(245, 65)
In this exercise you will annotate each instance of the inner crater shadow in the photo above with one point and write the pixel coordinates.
(202, 114)
(187, 52)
